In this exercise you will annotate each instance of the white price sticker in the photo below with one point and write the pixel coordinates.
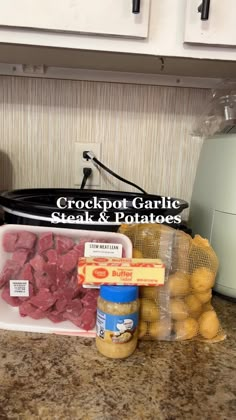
(95, 249)
(19, 288)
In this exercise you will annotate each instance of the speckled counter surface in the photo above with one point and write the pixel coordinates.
(56, 377)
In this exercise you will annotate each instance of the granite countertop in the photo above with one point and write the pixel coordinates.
(56, 377)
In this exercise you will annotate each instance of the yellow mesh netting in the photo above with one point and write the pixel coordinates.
(181, 309)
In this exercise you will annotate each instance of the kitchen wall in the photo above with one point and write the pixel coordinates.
(145, 132)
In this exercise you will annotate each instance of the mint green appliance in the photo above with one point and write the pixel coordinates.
(213, 206)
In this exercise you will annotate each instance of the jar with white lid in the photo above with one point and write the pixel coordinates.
(117, 321)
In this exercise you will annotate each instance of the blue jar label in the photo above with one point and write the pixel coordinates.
(117, 329)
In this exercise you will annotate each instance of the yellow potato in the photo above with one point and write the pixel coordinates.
(179, 284)
(204, 297)
(186, 329)
(207, 307)
(160, 329)
(178, 309)
(208, 324)
(149, 292)
(182, 248)
(196, 314)
(146, 241)
(123, 228)
(137, 253)
(202, 255)
(193, 303)
(148, 310)
(202, 280)
(201, 242)
(142, 329)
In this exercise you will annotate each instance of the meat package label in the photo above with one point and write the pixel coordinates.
(95, 249)
(121, 271)
(19, 288)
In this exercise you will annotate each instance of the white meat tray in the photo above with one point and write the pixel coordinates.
(10, 318)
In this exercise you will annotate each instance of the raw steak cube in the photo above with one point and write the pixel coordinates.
(38, 314)
(90, 300)
(62, 279)
(27, 309)
(37, 263)
(9, 272)
(73, 311)
(55, 316)
(53, 288)
(79, 249)
(82, 290)
(43, 300)
(63, 244)
(74, 307)
(78, 289)
(67, 293)
(61, 304)
(25, 240)
(87, 320)
(91, 292)
(21, 256)
(51, 271)
(45, 242)
(9, 241)
(92, 306)
(13, 301)
(26, 273)
(42, 280)
(70, 317)
(11, 265)
(68, 262)
(51, 255)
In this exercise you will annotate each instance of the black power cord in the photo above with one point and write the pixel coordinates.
(87, 173)
(90, 156)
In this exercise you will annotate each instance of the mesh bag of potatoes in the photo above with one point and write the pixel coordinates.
(181, 309)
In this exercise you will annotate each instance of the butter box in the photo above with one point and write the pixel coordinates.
(121, 271)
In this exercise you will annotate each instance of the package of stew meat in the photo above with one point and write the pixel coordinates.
(38, 277)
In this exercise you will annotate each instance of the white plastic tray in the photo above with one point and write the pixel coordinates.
(10, 318)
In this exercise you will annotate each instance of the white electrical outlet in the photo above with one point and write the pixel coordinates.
(80, 163)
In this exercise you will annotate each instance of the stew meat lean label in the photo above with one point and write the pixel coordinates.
(95, 249)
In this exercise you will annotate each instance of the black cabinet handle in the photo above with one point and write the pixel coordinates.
(136, 6)
(204, 9)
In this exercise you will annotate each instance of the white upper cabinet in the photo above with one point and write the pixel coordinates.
(101, 17)
(213, 24)
(160, 28)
